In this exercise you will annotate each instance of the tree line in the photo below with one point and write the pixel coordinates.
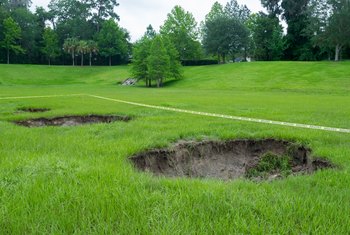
(87, 31)
(69, 31)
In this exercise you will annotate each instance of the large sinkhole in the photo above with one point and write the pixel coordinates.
(72, 120)
(227, 160)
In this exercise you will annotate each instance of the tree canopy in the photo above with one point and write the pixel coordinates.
(155, 58)
(181, 28)
(317, 30)
(12, 33)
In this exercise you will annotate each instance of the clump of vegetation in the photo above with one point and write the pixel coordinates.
(270, 164)
(155, 59)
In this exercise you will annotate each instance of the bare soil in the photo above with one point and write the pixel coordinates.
(226, 160)
(33, 110)
(72, 120)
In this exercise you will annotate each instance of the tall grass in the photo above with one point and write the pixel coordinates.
(79, 179)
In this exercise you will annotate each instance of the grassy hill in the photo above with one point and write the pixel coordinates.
(79, 179)
(286, 76)
(61, 75)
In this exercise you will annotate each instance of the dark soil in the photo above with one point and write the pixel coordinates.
(229, 160)
(33, 110)
(71, 120)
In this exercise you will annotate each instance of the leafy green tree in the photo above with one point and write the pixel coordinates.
(338, 30)
(31, 34)
(175, 69)
(70, 46)
(216, 10)
(268, 37)
(158, 61)
(12, 33)
(234, 10)
(19, 4)
(224, 36)
(329, 26)
(150, 32)
(92, 48)
(273, 7)
(102, 10)
(50, 41)
(141, 51)
(181, 28)
(296, 15)
(71, 18)
(318, 21)
(112, 40)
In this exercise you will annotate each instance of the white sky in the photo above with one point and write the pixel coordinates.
(136, 15)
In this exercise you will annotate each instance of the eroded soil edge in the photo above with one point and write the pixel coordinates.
(72, 120)
(253, 159)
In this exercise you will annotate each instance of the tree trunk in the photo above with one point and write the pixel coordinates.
(158, 83)
(337, 52)
(146, 82)
(73, 57)
(90, 58)
(8, 56)
(82, 60)
(110, 60)
(149, 82)
(49, 61)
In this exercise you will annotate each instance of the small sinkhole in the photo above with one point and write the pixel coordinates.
(253, 159)
(33, 110)
(72, 120)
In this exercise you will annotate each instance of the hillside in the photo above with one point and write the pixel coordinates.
(260, 76)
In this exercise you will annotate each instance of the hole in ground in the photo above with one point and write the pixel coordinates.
(227, 160)
(72, 120)
(33, 110)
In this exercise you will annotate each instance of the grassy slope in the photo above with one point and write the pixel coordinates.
(65, 180)
(62, 75)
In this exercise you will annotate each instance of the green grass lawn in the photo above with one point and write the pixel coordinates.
(79, 180)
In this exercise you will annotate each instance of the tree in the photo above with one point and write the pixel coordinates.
(216, 10)
(273, 7)
(70, 46)
(181, 28)
(31, 34)
(225, 36)
(71, 18)
(296, 15)
(19, 3)
(142, 57)
(150, 32)
(102, 10)
(141, 52)
(82, 49)
(225, 32)
(12, 33)
(174, 59)
(112, 40)
(50, 41)
(158, 61)
(92, 48)
(338, 31)
(234, 10)
(267, 36)
(328, 25)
